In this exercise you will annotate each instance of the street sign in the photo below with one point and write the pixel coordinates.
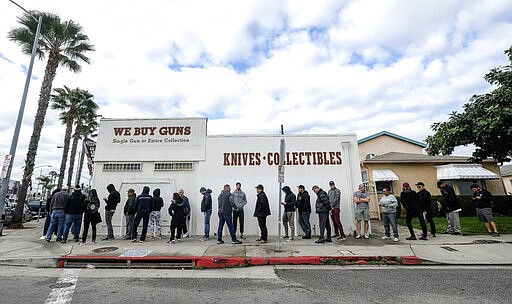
(7, 161)
(280, 174)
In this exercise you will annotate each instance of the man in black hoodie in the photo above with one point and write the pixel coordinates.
(323, 206)
(289, 212)
(129, 213)
(411, 203)
(304, 209)
(206, 208)
(451, 207)
(143, 207)
(74, 210)
(154, 218)
(113, 199)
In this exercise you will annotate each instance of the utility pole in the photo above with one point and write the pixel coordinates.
(280, 177)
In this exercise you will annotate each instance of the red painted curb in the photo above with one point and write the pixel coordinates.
(214, 262)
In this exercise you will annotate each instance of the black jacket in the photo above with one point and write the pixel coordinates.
(113, 198)
(158, 202)
(144, 202)
(303, 202)
(425, 200)
(76, 203)
(206, 203)
(410, 200)
(262, 207)
(451, 202)
(129, 205)
(323, 205)
(289, 200)
(485, 200)
(177, 212)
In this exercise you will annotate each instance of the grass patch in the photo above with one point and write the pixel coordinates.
(469, 225)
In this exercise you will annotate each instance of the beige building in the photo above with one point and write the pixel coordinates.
(506, 175)
(388, 160)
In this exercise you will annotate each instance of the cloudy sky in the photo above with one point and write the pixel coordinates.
(249, 66)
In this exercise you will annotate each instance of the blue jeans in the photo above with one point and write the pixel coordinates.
(207, 215)
(57, 221)
(304, 222)
(225, 218)
(76, 221)
(390, 218)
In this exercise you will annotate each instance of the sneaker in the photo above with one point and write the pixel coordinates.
(63, 242)
(411, 238)
(204, 239)
(433, 235)
(242, 236)
(134, 240)
(106, 239)
(43, 237)
(236, 242)
(328, 240)
(366, 236)
(395, 239)
(285, 237)
(423, 238)
(54, 237)
(186, 235)
(358, 236)
(174, 242)
(341, 238)
(386, 238)
(495, 234)
(320, 241)
(94, 241)
(220, 242)
(289, 239)
(262, 242)
(81, 243)
(141, 241)
(76, 240)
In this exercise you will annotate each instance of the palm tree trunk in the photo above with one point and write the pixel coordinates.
(74, 147)
(81, 163)
(65, 150)
(44, 99)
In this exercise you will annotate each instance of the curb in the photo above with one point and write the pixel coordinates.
(216, 262)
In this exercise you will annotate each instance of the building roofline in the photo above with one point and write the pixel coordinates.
(414, 142)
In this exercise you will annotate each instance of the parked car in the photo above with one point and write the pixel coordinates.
(34, 205)
(9, 209)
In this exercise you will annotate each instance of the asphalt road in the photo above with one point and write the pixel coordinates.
(285, 284)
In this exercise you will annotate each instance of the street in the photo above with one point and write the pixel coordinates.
(292, 284)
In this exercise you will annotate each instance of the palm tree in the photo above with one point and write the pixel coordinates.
(46, 182)
(85, 111)
(88, 130)
(66, 45)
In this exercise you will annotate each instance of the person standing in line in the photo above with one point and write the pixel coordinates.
(48, 217)
(411, 203)
(388, 202)
(362, 200)
(143, 207)
(426, 206)
(177, 213)
(482, 199)
(322, 206)
(261, 211)
(59, 201)
(304, 209)
(113, 199)
(226, 205)
(206, 208)
(238, 211)
(451, 207)
(74, 210)
(289, 204)
(129, 213)
(335, 199)
(92, 215)
(186, 225)
(154, 217)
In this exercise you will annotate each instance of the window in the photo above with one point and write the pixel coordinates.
(122, 167)
(384, 184)
(464, 186)
(364, 176)
(177, 166)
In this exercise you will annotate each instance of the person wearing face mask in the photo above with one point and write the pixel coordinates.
(411, 203)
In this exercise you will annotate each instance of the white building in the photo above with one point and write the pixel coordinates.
(173, 154)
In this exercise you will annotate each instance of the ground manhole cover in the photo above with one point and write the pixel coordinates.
(105, 249)
(448, 248)
(61, 285)
(486, 242)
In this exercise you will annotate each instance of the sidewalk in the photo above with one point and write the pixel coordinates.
(24, 248)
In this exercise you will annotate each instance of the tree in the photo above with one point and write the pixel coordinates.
(66, 45)
(486, 121)
(88, 130)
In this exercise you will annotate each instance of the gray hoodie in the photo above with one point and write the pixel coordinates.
(391, 203)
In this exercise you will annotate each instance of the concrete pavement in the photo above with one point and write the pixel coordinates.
(24, 248)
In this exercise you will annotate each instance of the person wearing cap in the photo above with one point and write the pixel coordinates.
(411, 203)
(238, 211)
(362, 200)
(261, 211)
(206, 208)
(289, 204)
(129, 213)
(482, 199)
(335, 198)
(304, 211)
(322, 206)
(452, 208)
(426, 206)
(74, 210)
(59, 201)
(226, 205)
